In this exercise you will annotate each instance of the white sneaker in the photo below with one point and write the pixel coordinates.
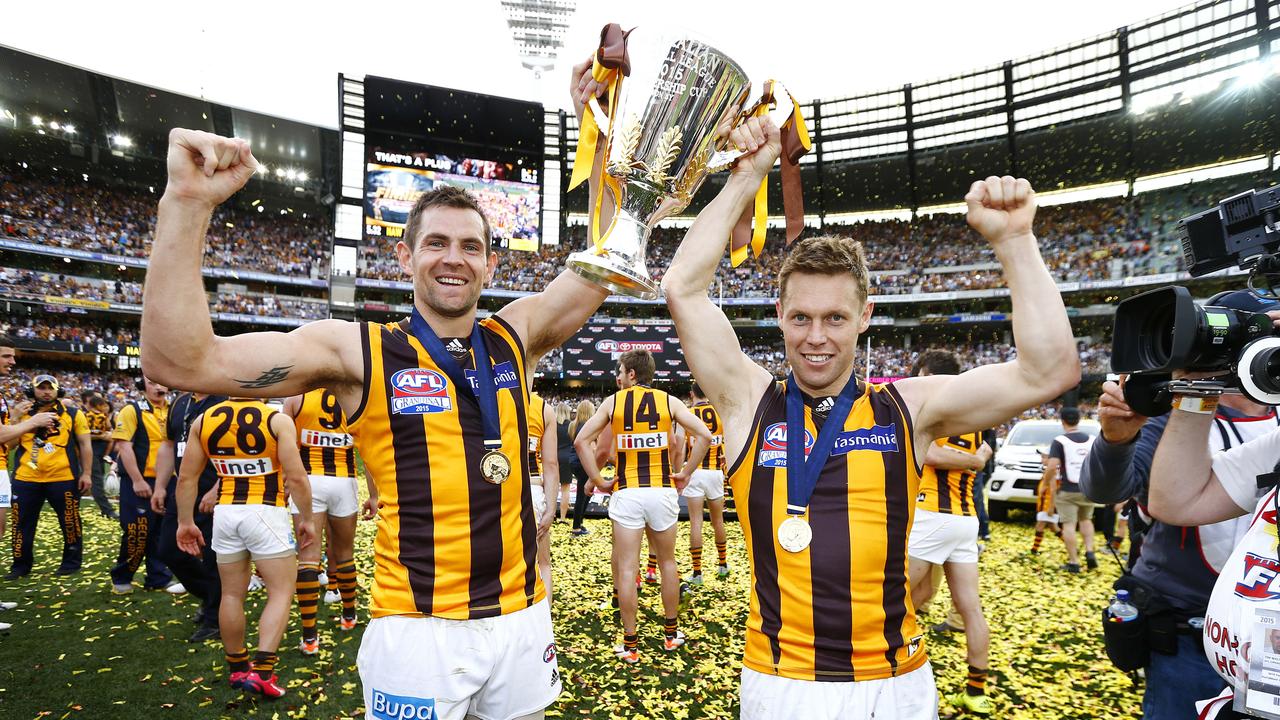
(8, 605)
(256, 583)
(176, 589)
(122, 588)
(4, 627)
(332, 596)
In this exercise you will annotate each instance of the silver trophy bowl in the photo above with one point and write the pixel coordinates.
(662, 144)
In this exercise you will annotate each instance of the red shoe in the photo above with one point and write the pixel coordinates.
(236, 680)
(348, 623)
(268, 688)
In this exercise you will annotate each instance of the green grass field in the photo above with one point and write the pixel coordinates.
(77, 651)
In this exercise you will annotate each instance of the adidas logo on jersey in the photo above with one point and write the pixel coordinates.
(455, 346)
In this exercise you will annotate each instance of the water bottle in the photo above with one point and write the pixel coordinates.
(1121, 610)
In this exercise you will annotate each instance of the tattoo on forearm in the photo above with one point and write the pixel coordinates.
(267, 379)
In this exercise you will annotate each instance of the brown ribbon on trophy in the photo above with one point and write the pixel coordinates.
(610, 65)
(795, 143)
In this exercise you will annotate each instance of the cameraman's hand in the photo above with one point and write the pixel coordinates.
(1120, 424)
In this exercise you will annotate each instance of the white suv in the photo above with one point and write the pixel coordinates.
(1019, 463)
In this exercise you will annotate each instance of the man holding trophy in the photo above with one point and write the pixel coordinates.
(831, 630)
(461, 625)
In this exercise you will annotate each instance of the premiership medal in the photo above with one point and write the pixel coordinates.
(495, 467)
(794, 534)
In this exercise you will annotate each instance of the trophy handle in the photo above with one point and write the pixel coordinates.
(782, 109)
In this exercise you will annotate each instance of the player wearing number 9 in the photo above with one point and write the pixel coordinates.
(254, 450)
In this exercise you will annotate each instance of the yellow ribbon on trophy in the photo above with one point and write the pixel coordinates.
(795, 143)
(609, 65)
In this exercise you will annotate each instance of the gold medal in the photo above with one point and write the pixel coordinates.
(495, 467)
(794, 534)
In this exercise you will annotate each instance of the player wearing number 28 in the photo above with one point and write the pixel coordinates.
(825, 469)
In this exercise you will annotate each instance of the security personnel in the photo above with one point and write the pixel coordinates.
(101, 420)
(254, 451)
(139, 430)
(49, 461)
(199, 576)
(329, 458)
(642, 421)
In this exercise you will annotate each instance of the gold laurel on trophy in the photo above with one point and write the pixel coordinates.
(692, 176)
(631, 132)
(668, 151)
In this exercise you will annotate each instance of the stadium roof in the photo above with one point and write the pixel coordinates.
(283, 59)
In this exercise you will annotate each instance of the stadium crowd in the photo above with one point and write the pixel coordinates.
(84, 214)
(1104, 239)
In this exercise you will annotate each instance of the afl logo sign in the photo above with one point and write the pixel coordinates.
(418, 391)
(773, 446)
(621, 346)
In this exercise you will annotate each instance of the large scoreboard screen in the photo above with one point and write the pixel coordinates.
(420, 136)
(509, 193)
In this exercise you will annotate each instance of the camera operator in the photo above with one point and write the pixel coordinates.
(1190, 487)
(1178, 564)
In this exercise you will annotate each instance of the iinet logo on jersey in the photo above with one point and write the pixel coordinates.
(642, 441)
(315, 438)
(243, 468)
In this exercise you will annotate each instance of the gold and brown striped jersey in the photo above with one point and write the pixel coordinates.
(449, 543)
(641, 423)
(4, 450)
(326, 447)
(536, 427)
(950, 491)
(714, 459)
(237, 438)
(840, 609)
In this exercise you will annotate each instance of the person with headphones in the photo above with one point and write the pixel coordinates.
(9, 434)
(139, 432)
(52, 463)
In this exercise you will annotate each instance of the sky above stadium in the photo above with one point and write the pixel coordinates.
(283, 58)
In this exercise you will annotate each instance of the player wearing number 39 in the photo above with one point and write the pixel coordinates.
(436, 406)
(824, 468)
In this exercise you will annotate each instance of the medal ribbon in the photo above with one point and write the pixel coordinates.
(486, 395)
(802, 474)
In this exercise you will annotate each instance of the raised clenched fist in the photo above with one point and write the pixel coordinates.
(1001, 208)
(207, 168)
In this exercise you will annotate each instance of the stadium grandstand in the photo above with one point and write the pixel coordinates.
(1122, 135)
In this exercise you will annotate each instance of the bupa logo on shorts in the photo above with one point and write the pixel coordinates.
(773, 446)
(399, 707)
(549, 654)
(877, 438)
(1259, 581)
(418, 391)
(504, 377)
